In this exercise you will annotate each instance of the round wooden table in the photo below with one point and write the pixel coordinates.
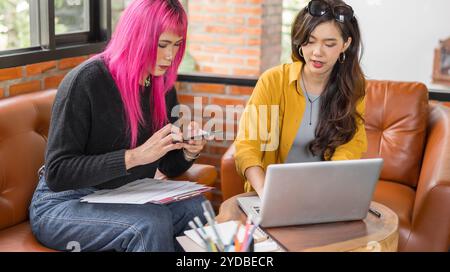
(371, 234)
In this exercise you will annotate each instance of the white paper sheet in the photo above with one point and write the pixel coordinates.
(147, 190)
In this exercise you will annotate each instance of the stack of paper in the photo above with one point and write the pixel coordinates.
(148, 191)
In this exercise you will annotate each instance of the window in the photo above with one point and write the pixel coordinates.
(34, 31)
(15, 25)
(71, 16)
(116, 10)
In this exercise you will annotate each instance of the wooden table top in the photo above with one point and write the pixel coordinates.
(369, 234)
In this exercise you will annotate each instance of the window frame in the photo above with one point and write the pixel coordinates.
(94, 41)
(52, 46)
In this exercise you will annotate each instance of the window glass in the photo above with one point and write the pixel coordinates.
(14, 24)
(117, 7)
(71, 16)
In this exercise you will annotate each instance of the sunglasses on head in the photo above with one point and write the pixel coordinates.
(341, 13)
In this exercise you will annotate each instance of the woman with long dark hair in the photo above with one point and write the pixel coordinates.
(111, 125)
(314, 107)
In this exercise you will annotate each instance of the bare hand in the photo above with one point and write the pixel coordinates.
(195, 146)
(154, 148)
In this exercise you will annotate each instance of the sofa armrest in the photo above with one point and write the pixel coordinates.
(200, 173)
(231, 182)
(431, 216)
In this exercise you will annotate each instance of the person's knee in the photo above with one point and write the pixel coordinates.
(155, 233)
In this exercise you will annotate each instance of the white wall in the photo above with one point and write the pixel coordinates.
(400, 36)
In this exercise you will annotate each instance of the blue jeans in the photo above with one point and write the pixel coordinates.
(60, 221)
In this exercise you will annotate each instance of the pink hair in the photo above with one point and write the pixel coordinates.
(132, 52)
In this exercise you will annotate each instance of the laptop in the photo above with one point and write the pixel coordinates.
(314, 192)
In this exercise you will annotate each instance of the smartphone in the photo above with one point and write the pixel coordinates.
(204, 134)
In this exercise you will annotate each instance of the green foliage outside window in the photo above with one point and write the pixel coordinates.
(70, 16)
(14, 24)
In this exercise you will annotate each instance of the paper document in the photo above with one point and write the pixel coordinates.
(148, 191)
(226, 232)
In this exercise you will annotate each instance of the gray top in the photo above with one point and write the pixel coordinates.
(306, 133)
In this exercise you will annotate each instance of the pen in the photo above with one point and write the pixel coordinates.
(247, 227)
(199, 224)
(192, 225)
(209, 209)
(237, 246)
(236, 230)
(216, 233)
(374, 212)
(212, 245)
(252, 232)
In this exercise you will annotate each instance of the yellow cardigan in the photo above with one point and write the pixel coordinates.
(264, 139)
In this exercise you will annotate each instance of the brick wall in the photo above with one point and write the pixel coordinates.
(241, 37)
(35, 77)
(271, 46)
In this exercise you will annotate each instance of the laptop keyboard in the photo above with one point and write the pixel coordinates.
(256, 209)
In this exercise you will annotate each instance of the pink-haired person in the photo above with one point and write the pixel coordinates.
(112, 124)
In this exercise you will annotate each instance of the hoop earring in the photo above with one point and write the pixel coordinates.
(300, 52)
(342, 57)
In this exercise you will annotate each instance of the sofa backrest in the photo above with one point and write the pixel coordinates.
(24, 124)
(396, 123)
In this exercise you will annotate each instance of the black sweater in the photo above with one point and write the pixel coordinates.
(87, 137)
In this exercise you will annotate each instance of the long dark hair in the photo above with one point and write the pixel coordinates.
(338, 118)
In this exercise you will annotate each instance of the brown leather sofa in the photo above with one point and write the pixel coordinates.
(24, 123)
(413, 137)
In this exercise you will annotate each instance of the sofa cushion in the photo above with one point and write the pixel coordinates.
(396, 120)
(24, 122)
(20, 239)
(400, 199)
